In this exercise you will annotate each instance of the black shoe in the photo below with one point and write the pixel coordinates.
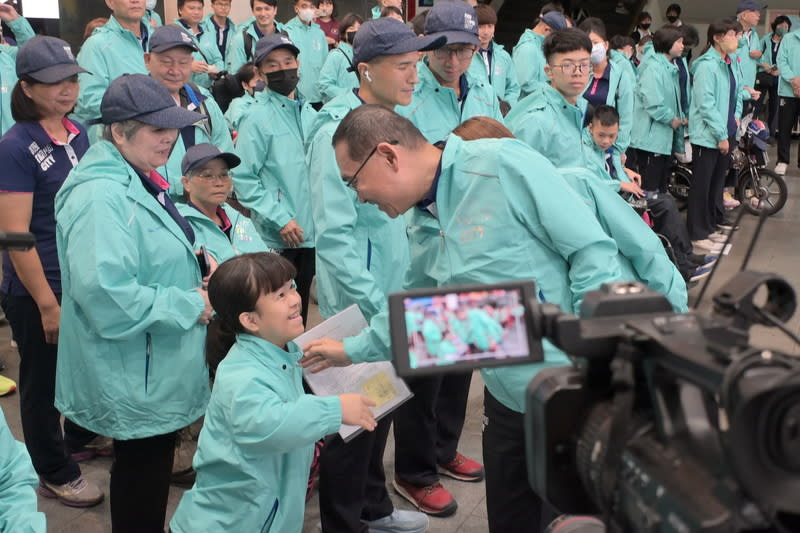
(727, 225)
(702, 259)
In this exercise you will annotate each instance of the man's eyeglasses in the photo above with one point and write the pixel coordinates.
(570, 68)
(353, 181)
(211, 177)
(461, 53)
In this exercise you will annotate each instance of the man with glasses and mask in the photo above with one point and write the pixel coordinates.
(551, 119)
(362, 255)
(448, 94)
(272, 180)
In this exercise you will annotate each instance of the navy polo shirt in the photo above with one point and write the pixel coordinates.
(597, 93)
(33, 163)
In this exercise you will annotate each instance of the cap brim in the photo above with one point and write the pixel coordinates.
(412, 44)
(57, 73)
(262, 55)
(231, 160)
(160, 48)
(459, 37)
(173, 117)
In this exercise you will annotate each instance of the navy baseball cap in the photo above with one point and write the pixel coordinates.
(169, 37)
(387, 37)
(455, 19)
(750, 5)
(140, 97)
(200, 154)
(47, 60)
(271, 42)
(555, 20)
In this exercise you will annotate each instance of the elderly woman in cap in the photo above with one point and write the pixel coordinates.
(131, 347)
(37, 154)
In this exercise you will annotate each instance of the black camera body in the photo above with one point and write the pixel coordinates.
(669, 422)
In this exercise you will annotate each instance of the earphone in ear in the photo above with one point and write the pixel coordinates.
(366, 75)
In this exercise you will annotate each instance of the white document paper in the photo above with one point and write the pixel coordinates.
(378, 380)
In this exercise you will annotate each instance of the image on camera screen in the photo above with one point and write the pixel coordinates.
(465, 327)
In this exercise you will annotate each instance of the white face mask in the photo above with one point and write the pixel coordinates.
(306, 15)
(598, 53)
(150, 4)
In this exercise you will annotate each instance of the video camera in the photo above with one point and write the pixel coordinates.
(665, 422)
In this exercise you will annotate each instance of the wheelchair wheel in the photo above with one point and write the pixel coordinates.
(680, 179)
(760, 189)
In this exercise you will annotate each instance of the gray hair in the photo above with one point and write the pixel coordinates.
(127, 127)
(366, 126)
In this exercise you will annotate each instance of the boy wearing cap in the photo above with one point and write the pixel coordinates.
(448, 94)
(170, 63)
(114, 49)
(242, 46)
(492, 60)
(272, 180)
(208, 61)
(310, 40)
(8, 76)
(362, 255)
(207, 184)
(527, 54)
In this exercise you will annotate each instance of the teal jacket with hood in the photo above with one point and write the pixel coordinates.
(272, 179)
(529, 61)
(254, 452)
(657, 103)
(436, 111)
(504, 213)
(18, 481)
(8, 69)
(708, 112)
(208, 52)
(244, 238)
(596, 161)
(789, 63)
(310, 39)
(621, 85)
(504, 75)
(362, 253)
(236, 55)
(335, 78)
(130, 349)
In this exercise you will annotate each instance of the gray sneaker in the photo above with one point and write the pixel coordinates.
(400, 521)
(78, 493)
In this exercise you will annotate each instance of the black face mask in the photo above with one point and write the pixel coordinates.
(282, 81)
(349, 36)
(646, 26)
(260, 86)
(672, 18)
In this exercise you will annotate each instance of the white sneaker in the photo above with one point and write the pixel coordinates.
(718, 237)
(780, 169)
(709, 247)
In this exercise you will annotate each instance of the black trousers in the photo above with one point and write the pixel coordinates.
(511, 503)
(668, 222)
(427, 427)
(352, 484)
(788, 112)
(139, 487)
(41, 422)
(704, 209)
(654, 169)
(303, 260)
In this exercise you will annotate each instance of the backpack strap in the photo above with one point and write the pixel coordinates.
(248, 44)
(353, 68)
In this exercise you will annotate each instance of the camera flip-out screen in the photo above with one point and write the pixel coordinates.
(462, 327)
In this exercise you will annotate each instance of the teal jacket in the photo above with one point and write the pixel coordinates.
(313, 51)
(545, 121)
(18, 483)
(641, 255)
(8, 70)
(335, 78)
(256, 446)
(152, 19)
(244, 238)
(436, 111)
(208, 27)
(483, 329)
(622, 60)
(621, 85)
(213, 129)
(236, 56)
(529, 62)
(376, 12)
(209, 53)
(130, 349)
(596, 161)
(238, 109)
(272, 180)
(108, 53)
(708, 112)
(504, 75)
(748, 65)
(361, 254)
(789, 63)
(504, 214)
(657, 102)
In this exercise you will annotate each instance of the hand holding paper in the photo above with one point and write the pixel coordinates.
(324, 353)
(356, 411)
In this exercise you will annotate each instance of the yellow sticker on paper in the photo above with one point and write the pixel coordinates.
(379, 389)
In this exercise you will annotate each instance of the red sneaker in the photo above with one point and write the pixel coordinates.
(462, 468)
(434, 499)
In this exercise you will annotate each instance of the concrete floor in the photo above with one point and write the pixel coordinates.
(778, 251)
